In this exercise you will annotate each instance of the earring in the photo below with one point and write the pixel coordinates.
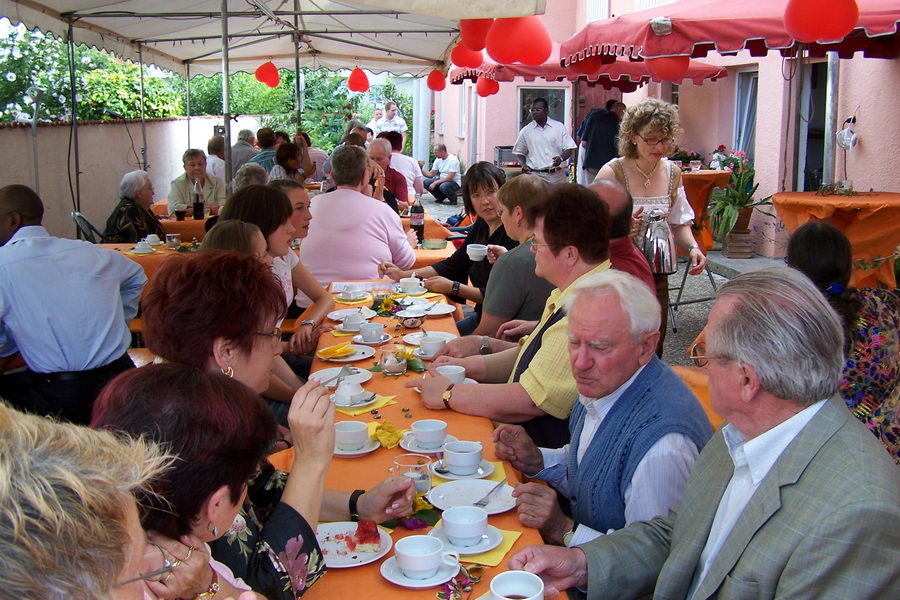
(228, 371)
(214, 531)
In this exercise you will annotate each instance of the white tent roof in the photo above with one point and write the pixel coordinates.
(398, 36)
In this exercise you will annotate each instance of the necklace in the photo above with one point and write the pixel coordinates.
(646, 176)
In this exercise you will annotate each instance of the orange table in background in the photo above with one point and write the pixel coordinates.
(433, 229)
(698, 188)
(366, 471)
(871, 221)
(149, 262)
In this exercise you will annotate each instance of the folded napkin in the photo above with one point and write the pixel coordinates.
(425, 295)
(338, 333)
(367, 299)
(498, 475)
(386, 433)
(494, 557)
(336, 351)
(380, 402)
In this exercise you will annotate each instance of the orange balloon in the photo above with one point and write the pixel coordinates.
(519, 39)
(357, 82)
(669, 68)
(811, 20)
(436, 81)
(463, 57)
(473, 33)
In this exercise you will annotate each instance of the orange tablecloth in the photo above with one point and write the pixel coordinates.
(364, 472)
(698, 187)
(871, 222)
(189, 228)
(149, 262)
(426, 258)
(433, 229)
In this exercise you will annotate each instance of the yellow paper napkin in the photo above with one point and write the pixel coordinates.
(498, 475)
(386, 433)
(338, 333)
(380, 402)
(365, 299)
(425, 295)
(494, 557)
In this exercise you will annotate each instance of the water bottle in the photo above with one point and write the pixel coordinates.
(197, 200)
(659, 244)
(417, 220)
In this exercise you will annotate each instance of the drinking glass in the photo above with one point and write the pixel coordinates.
(173, 241)
(695, 166)
(393, 362)
(415, 466)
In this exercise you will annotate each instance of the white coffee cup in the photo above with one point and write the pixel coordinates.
(429, 433)
(455, 373)
(464, 525)
(351, 291)
(420, 556)
(353, 322)
(371, 332)
(412, 285)
(143, 246)
(348, 392)
(153, 239)
(431, 344)
(517, 584)
(476, 252)
(350, 435)
(462, 458)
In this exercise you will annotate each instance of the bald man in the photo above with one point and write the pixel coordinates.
(65, 306)
(623, 254)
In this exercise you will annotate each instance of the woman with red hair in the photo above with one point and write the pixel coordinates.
(216, 311)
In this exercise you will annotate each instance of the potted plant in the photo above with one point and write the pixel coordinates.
(730, 208)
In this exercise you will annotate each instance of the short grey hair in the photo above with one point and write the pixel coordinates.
(633, 294)
(246, 135)
(250, 174)
(348, 165)
(132, 183)
(386, 145)
(784, 328)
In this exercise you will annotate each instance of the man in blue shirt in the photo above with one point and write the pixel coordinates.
(65, 307)
(266, 156)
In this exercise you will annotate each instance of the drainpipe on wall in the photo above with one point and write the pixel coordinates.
(831, 116)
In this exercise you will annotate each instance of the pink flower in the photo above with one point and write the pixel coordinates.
(295, 562)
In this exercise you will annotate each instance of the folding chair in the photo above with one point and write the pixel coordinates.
(673, 306)
(87, 231)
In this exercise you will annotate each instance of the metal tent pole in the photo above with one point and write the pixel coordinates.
(298, 81)
(187, 85)
(226, 95)
(74, 100)
(144, 166)
(831, 116)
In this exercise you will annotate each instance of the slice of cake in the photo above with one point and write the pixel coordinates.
(367, 537)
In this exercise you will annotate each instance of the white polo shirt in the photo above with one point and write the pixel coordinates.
(540, 145)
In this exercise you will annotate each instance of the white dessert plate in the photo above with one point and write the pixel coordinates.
(332, 538)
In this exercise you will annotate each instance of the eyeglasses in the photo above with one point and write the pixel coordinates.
(700, 358)
(275, 334)
(656, 141)
(151, 576)
(535, 244)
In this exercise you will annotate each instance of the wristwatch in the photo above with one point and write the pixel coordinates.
(454, 290)
(308, 322)
(446, 395)
(354, 498)
(485, 345)
(567, 537)
(692, 247)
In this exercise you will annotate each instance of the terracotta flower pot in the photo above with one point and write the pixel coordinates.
(743, 221)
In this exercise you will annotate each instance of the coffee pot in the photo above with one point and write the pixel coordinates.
(659, 244)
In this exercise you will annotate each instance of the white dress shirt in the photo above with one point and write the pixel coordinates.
(540, 145)
(215, 166)
(657, 482)
(65, 304)
(753, 460)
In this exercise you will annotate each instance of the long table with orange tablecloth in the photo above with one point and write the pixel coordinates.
(697, 187)
(870, 220)
(366, 471)
(433, 229)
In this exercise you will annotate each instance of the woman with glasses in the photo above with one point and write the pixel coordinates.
(645, 140)
(216, 312)
(451, 275)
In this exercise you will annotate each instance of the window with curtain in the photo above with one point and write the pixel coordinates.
(745, 112)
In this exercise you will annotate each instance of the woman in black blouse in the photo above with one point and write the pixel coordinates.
(131, 220)
(452, 275)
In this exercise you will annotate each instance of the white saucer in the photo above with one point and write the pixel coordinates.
(411, 300)
(354, 298)
(418, 354)
(358, 375)
(355, 405)
(411, 313)
(159, 243)
(340, 327)
(338, 315)
(413, 339)
(390, 570)
(147, 251)
(399, 291)
(361, 353)
(484, 470)
(439, 310)
(369, 446)
(467, 491)
(334, 549)
(491, 538)
(409, 444)
(385, 337)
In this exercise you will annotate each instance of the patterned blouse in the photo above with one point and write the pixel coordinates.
(129, 223)
(270, 546)
(871, 379)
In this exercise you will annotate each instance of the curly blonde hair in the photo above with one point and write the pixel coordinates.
(63, 505)
(651, 114)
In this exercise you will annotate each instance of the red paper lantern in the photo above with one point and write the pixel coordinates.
(519, 39)
(486, 87)
(473, 33)
(811, 20)
(267, 73)
(669, 68)
(357, 82)
(436, 81)
(463, 57)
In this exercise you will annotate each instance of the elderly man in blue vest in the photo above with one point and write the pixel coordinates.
(636, 429)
